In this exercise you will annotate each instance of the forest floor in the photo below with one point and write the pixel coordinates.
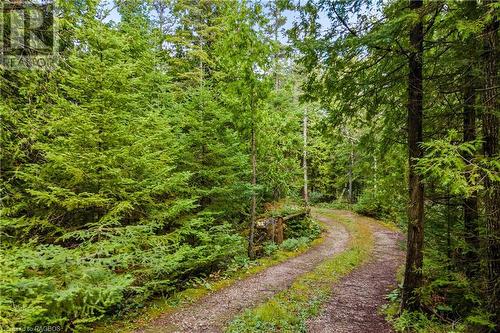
(352, 308)
(358, 297)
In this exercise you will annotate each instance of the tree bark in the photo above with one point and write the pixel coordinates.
(470, 203)
(414, 255)
(304, 160)
(251, 252)
(350, 178)
(276, 15)
(491, 150)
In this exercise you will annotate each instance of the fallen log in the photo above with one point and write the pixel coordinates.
(304, 214)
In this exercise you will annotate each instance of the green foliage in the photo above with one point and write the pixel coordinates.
(126, 170)
(293, 244)
(423, 323)
(299, 228)
(445, 162)
(270, 248)
(419, 322)
(56, 286)
(49, 284)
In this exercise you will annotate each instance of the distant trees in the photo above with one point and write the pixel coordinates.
(417, 72)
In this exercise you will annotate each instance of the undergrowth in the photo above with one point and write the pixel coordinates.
(240, 267)
(449, 300)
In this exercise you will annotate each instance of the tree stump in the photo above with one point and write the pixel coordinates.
(274, 226)
(278, 230)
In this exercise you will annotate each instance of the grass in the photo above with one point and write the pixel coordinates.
(288, 310)
(418, 322)
(159, 306)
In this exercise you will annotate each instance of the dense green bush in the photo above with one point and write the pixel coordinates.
(369, 205)
(296, 228)
(52, 285)
(269, 248)
(126, 168)
(382, 205)
(316, 197)
(292, 244)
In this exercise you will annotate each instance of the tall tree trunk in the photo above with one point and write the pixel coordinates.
(414, 255)
(492, 188)
(470, 203)
(304, 159)
(351, 167)
(251, 252)
(276, 25)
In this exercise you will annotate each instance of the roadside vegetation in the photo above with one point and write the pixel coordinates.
(288, 310)
(140, 162)
(240, 268)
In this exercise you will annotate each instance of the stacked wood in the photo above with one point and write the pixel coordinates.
(274, 225)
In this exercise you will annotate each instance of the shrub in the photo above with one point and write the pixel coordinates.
(292, 244)
(307, 227)
(73, 287)
(269, 248)
(316, 197)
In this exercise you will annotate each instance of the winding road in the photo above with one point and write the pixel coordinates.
(352, 308)
(357, 298)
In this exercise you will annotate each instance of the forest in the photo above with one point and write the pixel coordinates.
(173, 156)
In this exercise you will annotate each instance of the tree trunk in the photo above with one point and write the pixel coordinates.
(276, 16)
(350, 180)
(470, 203)
(490, 146)
(251, 252)
(414, 255)
(304, 161)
